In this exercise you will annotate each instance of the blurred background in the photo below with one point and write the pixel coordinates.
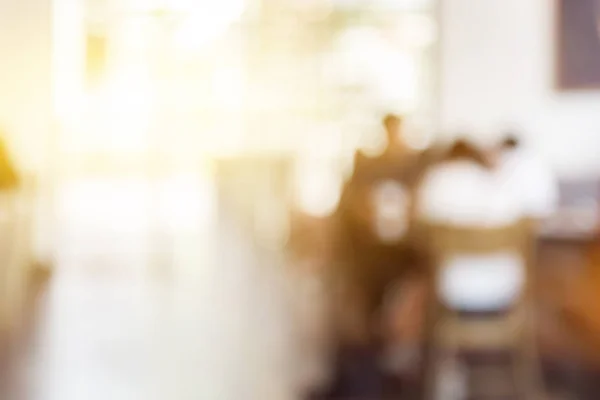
(155, 99)
(168, 151)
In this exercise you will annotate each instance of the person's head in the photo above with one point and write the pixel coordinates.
(393, 126)
(510, 142)
(464, 151)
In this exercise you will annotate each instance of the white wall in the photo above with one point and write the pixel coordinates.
(497, 72)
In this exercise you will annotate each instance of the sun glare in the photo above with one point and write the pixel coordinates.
(228, 85)
(205, 21)
(186, 63)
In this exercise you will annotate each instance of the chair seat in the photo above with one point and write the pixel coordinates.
(481, 282)
(480, 334)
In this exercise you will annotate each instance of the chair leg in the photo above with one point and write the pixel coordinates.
(432, 375)
(528, 373)
(430, 356)
(445, 379)
(449, 380)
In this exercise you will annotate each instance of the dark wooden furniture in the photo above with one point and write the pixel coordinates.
(511, 332)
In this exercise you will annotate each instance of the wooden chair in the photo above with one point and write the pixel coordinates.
(451, 332)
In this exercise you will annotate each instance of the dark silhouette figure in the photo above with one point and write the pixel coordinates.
(369, 263)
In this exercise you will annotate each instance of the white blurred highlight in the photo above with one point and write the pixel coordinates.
(319, 188)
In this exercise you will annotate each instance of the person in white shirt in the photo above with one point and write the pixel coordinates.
(529, 178)
(463, 191)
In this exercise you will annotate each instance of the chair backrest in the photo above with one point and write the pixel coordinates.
(447, 241)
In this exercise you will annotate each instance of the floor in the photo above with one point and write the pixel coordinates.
(159, 300)
(136, 311)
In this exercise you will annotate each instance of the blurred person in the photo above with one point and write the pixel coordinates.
(374, 216)
(374, 251)
(396, 143)
(463, 191)
(523, 172)
(403, 327)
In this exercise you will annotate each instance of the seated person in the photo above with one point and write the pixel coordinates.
(373, 251)
(374, 218)
(463, 191)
